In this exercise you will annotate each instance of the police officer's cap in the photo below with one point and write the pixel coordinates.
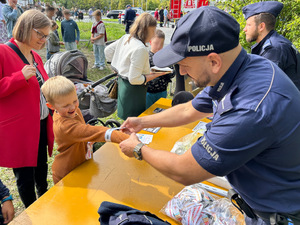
(199, 33)
(128, 6)
(271, 7)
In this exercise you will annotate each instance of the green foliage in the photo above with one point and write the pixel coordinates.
(288, 22)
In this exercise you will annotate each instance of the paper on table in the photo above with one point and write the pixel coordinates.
(164, 69)
(145, 138)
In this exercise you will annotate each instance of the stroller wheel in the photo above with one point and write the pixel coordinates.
(95, 121)
(112, 123)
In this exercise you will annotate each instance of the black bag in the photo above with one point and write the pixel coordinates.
(117, 214)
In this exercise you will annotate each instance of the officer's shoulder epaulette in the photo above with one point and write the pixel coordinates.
(267, 44)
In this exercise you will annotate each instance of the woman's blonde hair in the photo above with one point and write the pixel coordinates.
(139, 28)
(57, 86)
(26, 22)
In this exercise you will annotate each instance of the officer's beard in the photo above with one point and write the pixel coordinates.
(253, 37)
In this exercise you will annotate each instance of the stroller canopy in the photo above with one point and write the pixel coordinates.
(71, 64)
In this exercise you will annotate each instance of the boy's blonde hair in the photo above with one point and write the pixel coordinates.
(97, 13)
(57, 86)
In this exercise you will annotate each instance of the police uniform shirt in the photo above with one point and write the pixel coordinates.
(129, 15)
(254, 137)
(282, 52)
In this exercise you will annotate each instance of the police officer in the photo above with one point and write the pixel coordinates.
(129, 18)
(253, 138)
(260, 23)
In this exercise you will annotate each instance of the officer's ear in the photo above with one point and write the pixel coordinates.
(261, 27)
(215, 62)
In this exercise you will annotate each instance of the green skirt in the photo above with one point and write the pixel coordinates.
(131, 99)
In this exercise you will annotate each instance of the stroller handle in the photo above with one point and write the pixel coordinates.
(104, 79)
(90, 87)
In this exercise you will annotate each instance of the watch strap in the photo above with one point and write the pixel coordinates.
(9, 198)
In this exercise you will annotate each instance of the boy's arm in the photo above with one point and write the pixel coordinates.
(62, 31)
(98, 37)
(80, 132)
(78, 32)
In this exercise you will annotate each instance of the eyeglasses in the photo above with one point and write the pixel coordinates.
(41, 35)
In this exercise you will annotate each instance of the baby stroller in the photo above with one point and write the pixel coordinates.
(93, 97)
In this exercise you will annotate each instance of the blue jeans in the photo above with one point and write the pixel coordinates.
(70, 46)
(99, 55)
(153, 97)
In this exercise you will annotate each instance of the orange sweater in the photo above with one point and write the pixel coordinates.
(72, 136)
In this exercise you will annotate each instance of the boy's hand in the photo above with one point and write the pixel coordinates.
(132, 125)
(128, 145)
(77, 42)
(61, 43)
(8, 211)
(28, 71)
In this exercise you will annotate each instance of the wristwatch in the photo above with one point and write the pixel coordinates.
(137, 151)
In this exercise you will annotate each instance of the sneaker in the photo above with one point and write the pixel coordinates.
(94, 67)
(101, 68)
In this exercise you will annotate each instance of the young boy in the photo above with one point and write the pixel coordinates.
(68, 28)
(98, 38)
(71, 133)
(53, 44)
(157, 88)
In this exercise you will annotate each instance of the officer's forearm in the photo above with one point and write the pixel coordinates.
(176, 116)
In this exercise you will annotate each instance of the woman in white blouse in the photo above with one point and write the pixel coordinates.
(3, 32)
(130, 58)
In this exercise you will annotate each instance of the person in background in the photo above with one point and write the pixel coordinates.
(157, 88)
(130, 58)
(72, 134)
(98, 38)
(24, 115)
(11, 12)
(7, 211)
(161, 16)
(53, 44)
(260, 24)
(50, 12)
(166, 12)
(3, 31)
(156, 14)
(70, 32)
(119, 17)
(129, 18)
(76, 13)
(91, 13)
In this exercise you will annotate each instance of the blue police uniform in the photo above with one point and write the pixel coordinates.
(274, 46)
(254, 137)
(282, 52)
(129, 19)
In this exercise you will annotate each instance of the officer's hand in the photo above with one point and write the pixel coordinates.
(132, 125)
(8, 211)
(28, 71)
(128, 145)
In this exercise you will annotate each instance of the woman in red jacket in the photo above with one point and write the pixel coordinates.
(25, 121)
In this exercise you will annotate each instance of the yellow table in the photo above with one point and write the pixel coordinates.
(109, 176)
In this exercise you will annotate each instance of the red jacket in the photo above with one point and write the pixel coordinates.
(20, 111)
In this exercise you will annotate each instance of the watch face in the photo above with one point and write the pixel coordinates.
(135, 154)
